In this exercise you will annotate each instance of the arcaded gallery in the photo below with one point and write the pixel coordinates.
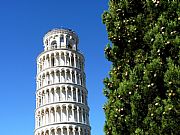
(61, 94)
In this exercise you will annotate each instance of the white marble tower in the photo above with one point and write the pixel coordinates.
(61, 95)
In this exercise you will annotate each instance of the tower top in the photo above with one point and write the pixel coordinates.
(60, 38)
(61, 31)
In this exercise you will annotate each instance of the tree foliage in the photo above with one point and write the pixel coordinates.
(143, 87)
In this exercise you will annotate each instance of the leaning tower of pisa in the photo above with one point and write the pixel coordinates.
(61, 94)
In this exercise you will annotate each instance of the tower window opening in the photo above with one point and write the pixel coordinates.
(40, 67)
(69, 46)
(67, 41)
(62, 38)
(52, 61)
(39, 121)
(54, 44)
(46, 42)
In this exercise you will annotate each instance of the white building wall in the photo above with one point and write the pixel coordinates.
(61, 95)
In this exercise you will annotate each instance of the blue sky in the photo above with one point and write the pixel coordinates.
(23, 24)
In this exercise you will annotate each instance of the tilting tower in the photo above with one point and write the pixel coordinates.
(61, 95)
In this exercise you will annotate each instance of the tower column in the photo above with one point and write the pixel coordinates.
(61, 109)
(66, 93)
(78, 114)
(70, 62)
(71, 76)
(67, 113)
(73, 112)
(75, 77)
(71, 93)
(74, 60)
(76, 94)
(65, 58)
(67, 130)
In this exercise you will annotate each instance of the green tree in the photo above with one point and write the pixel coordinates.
(143, 87)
